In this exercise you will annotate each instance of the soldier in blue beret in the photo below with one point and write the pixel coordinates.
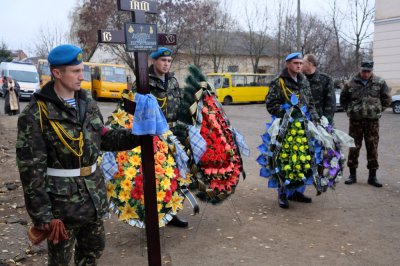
(65, 55)
(164, 86)
(60, 134)
(290, 81)
(365, 97)
(296, 55)
(161, 52)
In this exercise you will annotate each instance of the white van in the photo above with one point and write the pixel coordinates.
(24, 73)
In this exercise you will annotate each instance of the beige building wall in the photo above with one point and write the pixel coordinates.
(387, 42)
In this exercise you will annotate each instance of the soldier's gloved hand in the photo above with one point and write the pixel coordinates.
(58, 231)
(54, 230)
(38, 233)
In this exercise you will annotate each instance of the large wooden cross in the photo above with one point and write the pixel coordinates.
(140, 38)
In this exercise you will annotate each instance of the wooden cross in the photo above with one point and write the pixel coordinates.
(140, 38)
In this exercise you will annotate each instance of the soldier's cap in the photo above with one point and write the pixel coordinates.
(296, 55)
(64, 55)
(161, 52)
(367, 65)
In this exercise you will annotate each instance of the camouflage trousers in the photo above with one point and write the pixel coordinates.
(89, 240)
(369, 131)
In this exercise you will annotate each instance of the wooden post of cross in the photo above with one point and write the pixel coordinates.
(140, 38)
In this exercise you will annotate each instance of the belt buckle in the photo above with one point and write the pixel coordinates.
(86, 171)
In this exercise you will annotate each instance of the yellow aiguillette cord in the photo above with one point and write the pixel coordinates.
(60, 130)
(285, 89)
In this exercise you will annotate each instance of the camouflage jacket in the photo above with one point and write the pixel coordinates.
(365, 101)
(71, 199)
(323, 94)
(168, 95)
(276, 96)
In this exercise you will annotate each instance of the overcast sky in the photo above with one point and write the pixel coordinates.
(21, 20)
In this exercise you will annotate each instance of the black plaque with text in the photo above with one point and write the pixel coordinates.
(140, 37)
(141, 6)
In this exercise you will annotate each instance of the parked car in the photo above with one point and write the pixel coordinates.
(24, 73)
(396, 104)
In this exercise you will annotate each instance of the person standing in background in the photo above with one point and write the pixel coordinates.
(364, 98)
(321, 86)
(11, 96)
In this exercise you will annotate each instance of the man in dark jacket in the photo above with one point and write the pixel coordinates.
(294, 83)
(364, 98)
(60, 135)
(321, 86)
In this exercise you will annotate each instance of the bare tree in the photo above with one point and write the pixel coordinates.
(281, 17)
(220, 34)
(256, 38)
(336, 24)
(361, 17)
(47, 38)
(316, 35)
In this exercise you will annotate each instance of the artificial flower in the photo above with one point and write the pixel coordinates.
(120, 117)
(175, 203)
(128, 212)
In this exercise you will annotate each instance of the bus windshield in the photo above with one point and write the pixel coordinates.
(113, 74)
(24, 76)
(44, 69)
(216, 81)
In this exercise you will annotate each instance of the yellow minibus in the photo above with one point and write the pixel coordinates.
(44, 72)
(240, 87)
(109, 81)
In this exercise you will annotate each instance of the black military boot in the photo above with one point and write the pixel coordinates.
(352, 177)
(372, 180)
(178, 222)
(300, 197)
(282, 200)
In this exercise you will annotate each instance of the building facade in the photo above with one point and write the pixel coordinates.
(387, 42)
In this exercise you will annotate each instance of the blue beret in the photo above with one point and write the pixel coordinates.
(162, 51)
(65, 54)
(296, 55)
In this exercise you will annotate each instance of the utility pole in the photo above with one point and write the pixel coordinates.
(298, 26)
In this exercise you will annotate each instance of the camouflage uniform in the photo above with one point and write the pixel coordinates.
(168, 94)
(276, 97)
(364, 105)
(323, 94)
(81, 201)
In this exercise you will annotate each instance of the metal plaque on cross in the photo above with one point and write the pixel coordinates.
(140, 37)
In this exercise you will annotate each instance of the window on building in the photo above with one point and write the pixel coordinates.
(233, 68)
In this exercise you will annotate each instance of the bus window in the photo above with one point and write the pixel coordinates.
(216, 81)
(113, 74)
(238, 81)
(226, 83)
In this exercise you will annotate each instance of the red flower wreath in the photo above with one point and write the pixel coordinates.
(220, 163)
